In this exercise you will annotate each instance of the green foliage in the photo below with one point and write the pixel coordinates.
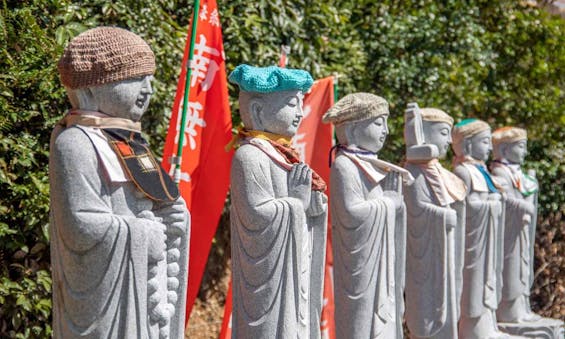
(29, 97)
(499, 61)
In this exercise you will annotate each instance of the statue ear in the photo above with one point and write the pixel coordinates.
(256, 112)
(83, 98)
(502, 149)
(350, 130)
(467, 146)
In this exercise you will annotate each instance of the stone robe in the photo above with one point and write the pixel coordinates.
(278, 252)
(519, 234)
(99, 247)
(434, 257)
(483, 251)
(367, 271)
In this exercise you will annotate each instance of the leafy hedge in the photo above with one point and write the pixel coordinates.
(496, 60)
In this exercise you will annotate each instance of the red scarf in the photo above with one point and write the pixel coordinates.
(292, 156)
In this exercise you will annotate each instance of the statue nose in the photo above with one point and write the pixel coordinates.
(147, 90)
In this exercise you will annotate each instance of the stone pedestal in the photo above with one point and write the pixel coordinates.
(545, 328)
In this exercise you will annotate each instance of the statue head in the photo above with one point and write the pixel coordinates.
(108, 69)
(360, 119)
(510, 144)
(271, 98)
(436, 125)
(472, 137)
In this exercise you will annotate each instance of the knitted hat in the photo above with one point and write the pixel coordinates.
(508, 135)
(356, 107)
(468, 128)
(270, 79)
(436, 115)
(104, 55)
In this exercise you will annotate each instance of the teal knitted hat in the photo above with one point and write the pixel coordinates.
(270, 79)
(467, 128)
(465, 122)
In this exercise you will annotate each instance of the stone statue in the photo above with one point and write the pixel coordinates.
(435, 204)
(119, 229)
(483, 237)
(368, 222)
(520, 195)
(278, 212)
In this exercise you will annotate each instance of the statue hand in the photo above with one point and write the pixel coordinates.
(300, 183)
(174, 217)
(451, 219)
(318, 204)
(531, 209)
(156, 241)
(496, 207)
(390, 182)
(395, 197)
(526, 220)
(494, 196)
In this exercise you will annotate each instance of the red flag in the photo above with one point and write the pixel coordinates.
(205, 163)
(313, 141)
(225, 332)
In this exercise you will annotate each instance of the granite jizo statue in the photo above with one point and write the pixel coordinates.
(278, 212)
(368, 222)
(435, 204)
(119, 230)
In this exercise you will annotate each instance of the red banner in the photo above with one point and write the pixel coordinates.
(205, 164)
(313, 141)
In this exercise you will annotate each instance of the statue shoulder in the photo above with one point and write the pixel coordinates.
(248, 154)
(71, 143)
(498, 171)
(343, 163)
(344, 167)
(249, 158)
(463, 173)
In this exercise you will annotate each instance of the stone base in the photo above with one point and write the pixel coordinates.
(545, 328)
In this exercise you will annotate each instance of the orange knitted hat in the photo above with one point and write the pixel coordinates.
(104, 55)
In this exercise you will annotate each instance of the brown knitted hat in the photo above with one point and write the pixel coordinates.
(356, 107)
(436, 115)
(508, 134)
(104, 55)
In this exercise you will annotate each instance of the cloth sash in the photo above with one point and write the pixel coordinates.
(524, 183)
(137, 160)
(481, 179)
(278, 148)
(371, 165)
(98, 120)
(446, 186)
(486, 175)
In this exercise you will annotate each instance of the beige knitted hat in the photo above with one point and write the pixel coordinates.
(436, 115)
(508, 135)
(104, 55)
(467, 128)
(356, 107)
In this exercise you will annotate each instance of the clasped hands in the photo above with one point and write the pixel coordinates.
(300, 187)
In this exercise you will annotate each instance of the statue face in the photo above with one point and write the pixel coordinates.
(516, 152)
(439, 134)
(370, 134)
(278, 112)
(126, 99)
(481, 145)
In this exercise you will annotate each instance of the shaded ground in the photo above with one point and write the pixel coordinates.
(206, 318)
(208, 312)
